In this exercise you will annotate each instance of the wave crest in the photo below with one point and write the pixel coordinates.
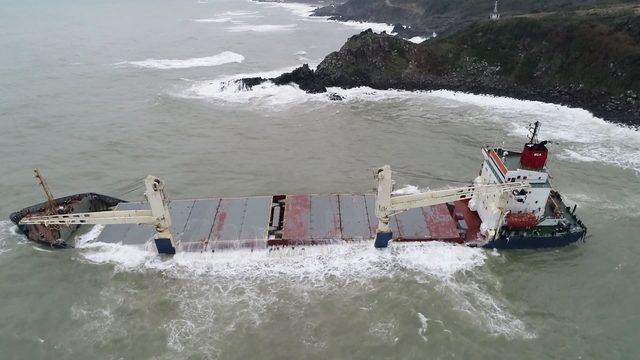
(225, 57)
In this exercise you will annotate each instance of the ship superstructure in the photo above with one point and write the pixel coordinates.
(526, 207)
(511, 204)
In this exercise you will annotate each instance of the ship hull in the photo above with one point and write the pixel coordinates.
(535, 242)
(213, 224)
(56, 236)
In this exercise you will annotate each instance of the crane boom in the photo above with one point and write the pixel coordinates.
(387, 205)
(158, 216)
(406, 202)
(51, 204)
(102, 217)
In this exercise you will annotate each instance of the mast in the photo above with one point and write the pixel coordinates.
(534, 132)
(51, 204)
(158, 215)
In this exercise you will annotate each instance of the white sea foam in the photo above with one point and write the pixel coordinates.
(305, 10)
(275, 97)
(583, 136)
(375, 27)
(234, 17)
(321, 268)
(240, 13)
(215, 20)
(360, 25)
(41, 249)
(89, 236)
(215, 60)
(487, 310)
(314, 264)
(417, 39)
(572, 155)
(124, 257)
(408, 190)
(7, 230)
(226, 89)
(424, 326)
(261, 28)
(629, 204)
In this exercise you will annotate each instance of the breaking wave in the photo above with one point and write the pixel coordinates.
(584, 137)
(240, 13)
(257, 277)
(304, 11)
(7, 230)
(214, 20)
(361, 25)
(215, 60)
(261, 28)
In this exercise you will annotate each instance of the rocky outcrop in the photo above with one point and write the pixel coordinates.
(590, 62)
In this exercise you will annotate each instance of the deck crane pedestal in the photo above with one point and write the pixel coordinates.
(387, 205)
(158, 215)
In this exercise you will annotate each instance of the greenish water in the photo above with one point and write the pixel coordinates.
(76, 102)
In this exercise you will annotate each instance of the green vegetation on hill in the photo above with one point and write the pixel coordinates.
(594, 54)
(588, 61)
(446, 16)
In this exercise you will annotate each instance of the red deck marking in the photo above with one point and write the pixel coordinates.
(297, 218)
(471, 218)
(498, 161)
(442, 225)
(221, 217)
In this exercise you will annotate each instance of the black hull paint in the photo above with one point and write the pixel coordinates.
(56, 237)
(534, 242)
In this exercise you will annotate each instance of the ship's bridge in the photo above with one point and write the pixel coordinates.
(507, 166)
(501, 166)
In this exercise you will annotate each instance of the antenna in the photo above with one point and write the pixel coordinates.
(51, 204)
(533, 129)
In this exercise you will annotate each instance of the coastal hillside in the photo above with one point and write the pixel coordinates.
(592, 62)
(448, 16)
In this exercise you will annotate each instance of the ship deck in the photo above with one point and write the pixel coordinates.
(258, 222)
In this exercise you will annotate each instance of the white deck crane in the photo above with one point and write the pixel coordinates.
(158, 216)
(387, 205)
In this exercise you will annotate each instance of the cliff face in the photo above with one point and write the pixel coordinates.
(368, 59)
(589, 62)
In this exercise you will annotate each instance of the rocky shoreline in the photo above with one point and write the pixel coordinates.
(551, 60)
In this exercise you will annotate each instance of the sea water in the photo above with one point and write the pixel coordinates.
(100, 94)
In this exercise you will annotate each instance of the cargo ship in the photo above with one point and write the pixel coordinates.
(510, 205)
